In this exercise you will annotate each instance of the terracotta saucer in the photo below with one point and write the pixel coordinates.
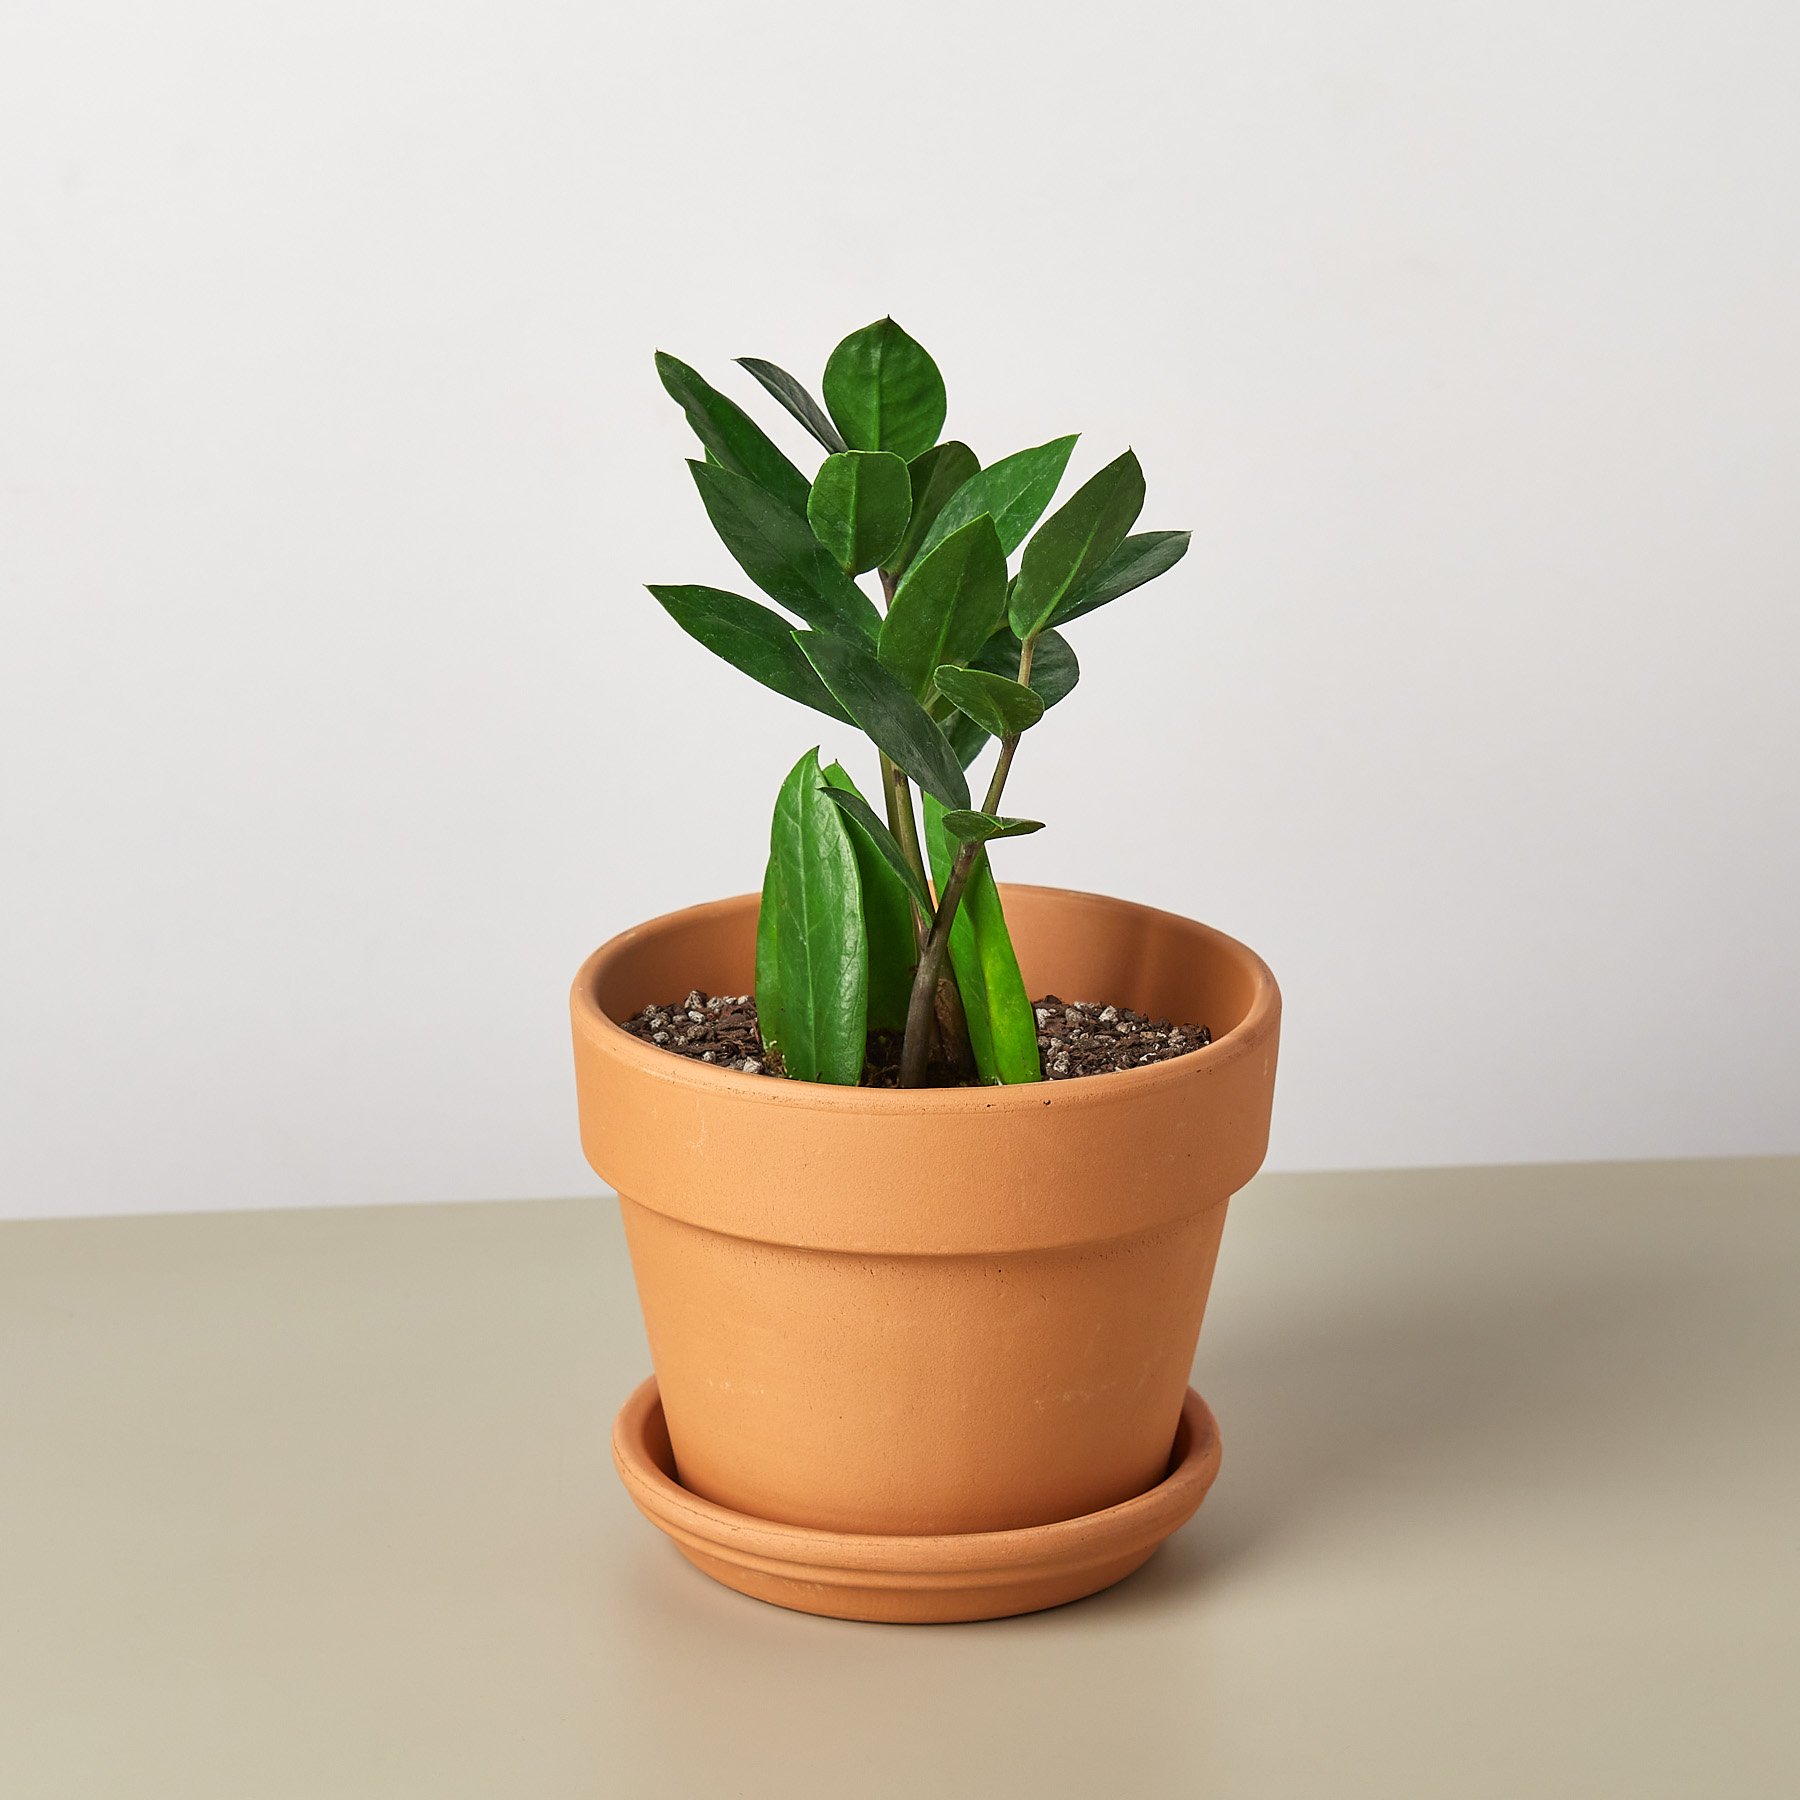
(912, 1580)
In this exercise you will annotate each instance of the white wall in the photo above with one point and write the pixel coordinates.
(337, 726)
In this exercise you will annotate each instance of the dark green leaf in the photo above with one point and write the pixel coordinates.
(884, 392)
(750, 637)
(947, 606)
(999, 705)
(732, 438)
(1002, 1026)
(887, 910)
(935, 477)
(979, 827)
(1013, 492)
(859, 506)
(874, 828)
(821, 950)
(777, 550)
(967, 738)
(1075, 541)
(793, 395)
(1054, 672)
(1139, 559)
(896, 722)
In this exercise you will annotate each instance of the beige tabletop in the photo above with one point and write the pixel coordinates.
(319, 1505)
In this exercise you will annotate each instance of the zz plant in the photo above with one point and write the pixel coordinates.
(868, 923)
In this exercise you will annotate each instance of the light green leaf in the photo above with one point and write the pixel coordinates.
(1002, 1026)
(999, 705)
(935, 477)
(777, 550)
(1139, 559)
(820, 945)
(1013, 492)
(887, 910)
(1075, 541)
(793, 395)
(980, 827)
(1054, 672)
(884, 392)
(896, 722)
(732, 438)
(750, 637)
(947, 606)
(859, 506)
(874, 829)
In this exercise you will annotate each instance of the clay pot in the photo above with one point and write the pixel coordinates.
(912, 1314)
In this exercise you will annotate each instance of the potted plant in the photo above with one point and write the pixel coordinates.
(922, 1246)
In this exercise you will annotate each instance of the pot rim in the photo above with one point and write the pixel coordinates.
(1115, 1085)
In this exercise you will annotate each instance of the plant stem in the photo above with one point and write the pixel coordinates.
(1001, 768)
(915, 1051)
(953, 1027)
(896, 793)
(896, 797)
(921, 1005)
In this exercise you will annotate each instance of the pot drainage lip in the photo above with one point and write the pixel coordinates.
(944, 1577)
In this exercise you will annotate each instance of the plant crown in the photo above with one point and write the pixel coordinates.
(867, 922)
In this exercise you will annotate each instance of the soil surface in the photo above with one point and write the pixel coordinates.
(1083, 1037)
(1075, 1037)
(713, 1028)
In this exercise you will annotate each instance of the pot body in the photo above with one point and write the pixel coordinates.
(929, 1311)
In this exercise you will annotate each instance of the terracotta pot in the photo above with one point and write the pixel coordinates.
(938, 1311)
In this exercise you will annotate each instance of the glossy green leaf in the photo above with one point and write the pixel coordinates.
(771, 1007)
(777, 550)
(890, 716)
(935, 477)
(1013, 492)
(1140, 558)
(1074, 541)
(751, 637)
(998, 704)
(820, 945)
(947, 606)
(1002, 1026)
(859, 506)
(732, 438)
(864, 818)
(1054, 673)
(884, 392)
(969, 827)
(793, 395)
(887, 910)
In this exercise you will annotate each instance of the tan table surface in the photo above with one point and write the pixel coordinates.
(319, 1504)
